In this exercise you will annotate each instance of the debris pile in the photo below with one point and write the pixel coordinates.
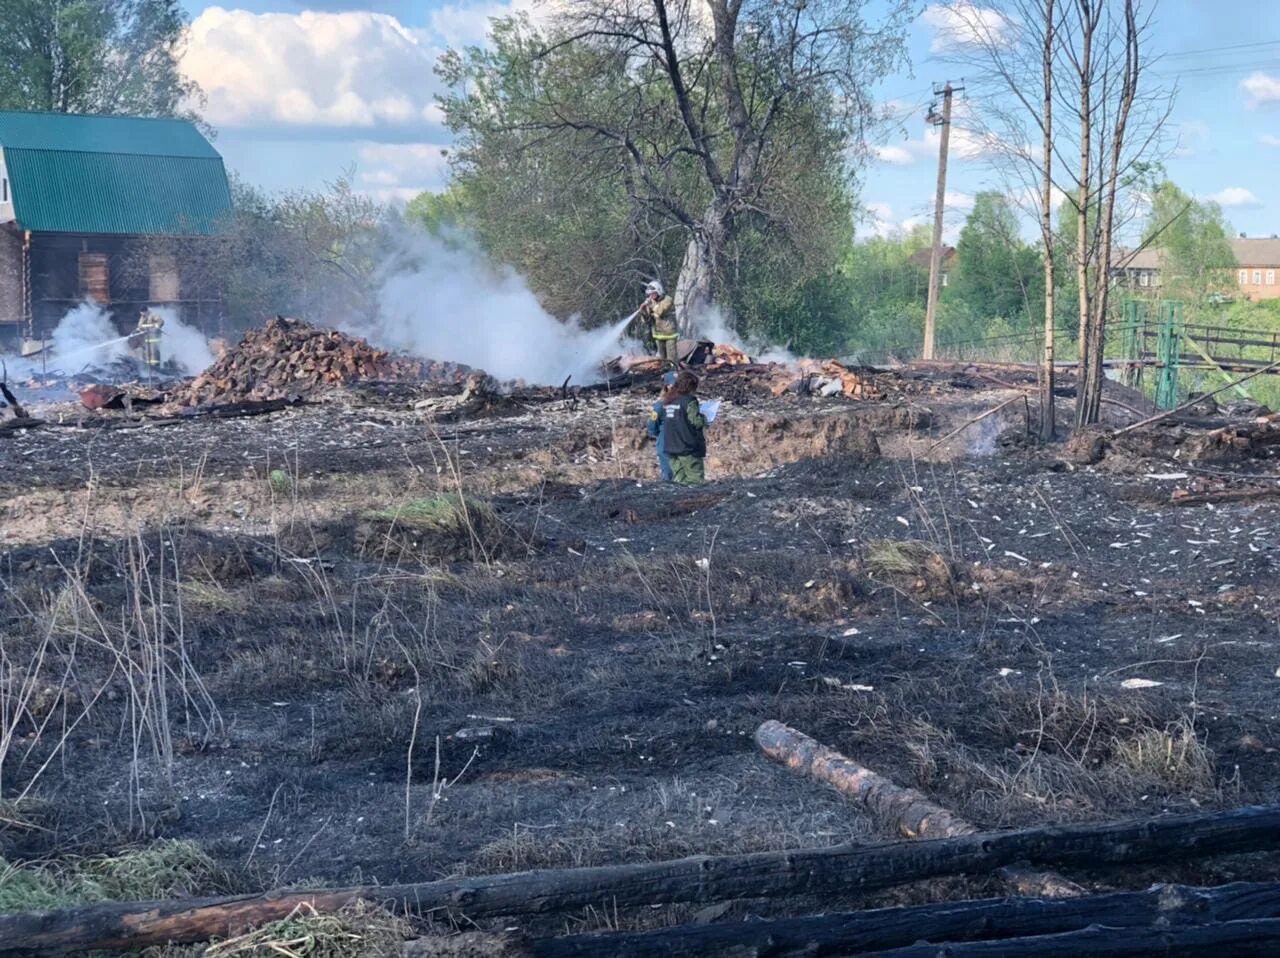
(823, 378)
(290, 358)
(817, 377)
(722, 354)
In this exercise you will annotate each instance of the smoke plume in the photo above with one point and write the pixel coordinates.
(440, 298)
(184, 346)
(87, 341)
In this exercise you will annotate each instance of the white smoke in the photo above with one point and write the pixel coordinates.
(444, 300)
(86, 339)
(183, 345)
(711, 324)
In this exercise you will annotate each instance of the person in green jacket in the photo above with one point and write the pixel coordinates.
(684, 430)
(659, 312)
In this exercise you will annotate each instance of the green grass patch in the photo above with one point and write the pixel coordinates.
(167, 869)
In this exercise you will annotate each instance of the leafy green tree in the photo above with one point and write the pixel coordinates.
(675, 138)
(1196, 261)
(94, 56)
(997, 275)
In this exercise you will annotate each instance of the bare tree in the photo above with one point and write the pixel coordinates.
(1037, 62)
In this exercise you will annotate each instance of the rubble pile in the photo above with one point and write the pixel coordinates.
(823, 378)
(816, 377)
(289, 358)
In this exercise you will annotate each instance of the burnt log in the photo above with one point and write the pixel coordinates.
(1258, 937)
(884, 928)
(838, 869)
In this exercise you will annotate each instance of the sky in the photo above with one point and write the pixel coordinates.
(302, 92)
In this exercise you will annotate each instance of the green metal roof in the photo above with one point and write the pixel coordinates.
(106, 174)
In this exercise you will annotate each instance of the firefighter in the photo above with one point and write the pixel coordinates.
(683, 430)
(659, 312)
(147, 336)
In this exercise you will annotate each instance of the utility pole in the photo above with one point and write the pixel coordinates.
(935, 255)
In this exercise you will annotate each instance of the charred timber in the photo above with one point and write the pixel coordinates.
(884, 928)
(1258, 937)
(843, 868)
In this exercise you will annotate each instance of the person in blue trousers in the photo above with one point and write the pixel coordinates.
(656, 417)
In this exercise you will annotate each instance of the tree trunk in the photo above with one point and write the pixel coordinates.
(125, 926)
(1084, 191)
(862, 931)
(1089, 398)
(1048, 414)
(698, 299)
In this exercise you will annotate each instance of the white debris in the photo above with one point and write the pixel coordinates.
(1139, 684)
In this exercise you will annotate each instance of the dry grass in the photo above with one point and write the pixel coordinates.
(910, 564)
(1174, 755)
(209, 596)
(360, 930)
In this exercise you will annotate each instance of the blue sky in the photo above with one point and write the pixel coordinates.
(301, 91)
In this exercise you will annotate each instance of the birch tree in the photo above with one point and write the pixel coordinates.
(1067, 112)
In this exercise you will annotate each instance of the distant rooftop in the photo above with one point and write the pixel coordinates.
(72, 173)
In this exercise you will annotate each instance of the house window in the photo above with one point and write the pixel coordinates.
(95, 282)
(1271, 277)
(1144, 278)
(944, 279)
(1257, 277)
(164, 285)
(1244, 277)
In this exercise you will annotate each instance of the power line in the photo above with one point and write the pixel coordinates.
(1234, 46)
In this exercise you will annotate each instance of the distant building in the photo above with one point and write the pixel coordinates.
(1138, 270)
(1255, 276)
(1257, 267)
(86, 203)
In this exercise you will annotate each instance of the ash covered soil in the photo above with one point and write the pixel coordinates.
(403, 636)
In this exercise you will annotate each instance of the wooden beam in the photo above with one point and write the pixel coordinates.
(884, 928)
(903, 810)
(1250, 937)
(839, 869)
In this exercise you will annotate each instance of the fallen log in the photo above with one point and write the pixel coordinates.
(1251, 937)
(234, 410)
(884, 928)
(1220, 496)
(15, 427)
(839, 869)
(903, 810)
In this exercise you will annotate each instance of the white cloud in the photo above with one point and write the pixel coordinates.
(1268, 140)
(354, 69)
(400, 171)
(957, 201)
(468, 25)
(1234, 196)
(961, 25)
(1262, 89)
(894, 155)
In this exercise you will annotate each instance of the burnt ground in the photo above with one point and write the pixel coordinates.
(247, 635)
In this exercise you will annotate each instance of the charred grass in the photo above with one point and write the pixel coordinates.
(411, 682)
